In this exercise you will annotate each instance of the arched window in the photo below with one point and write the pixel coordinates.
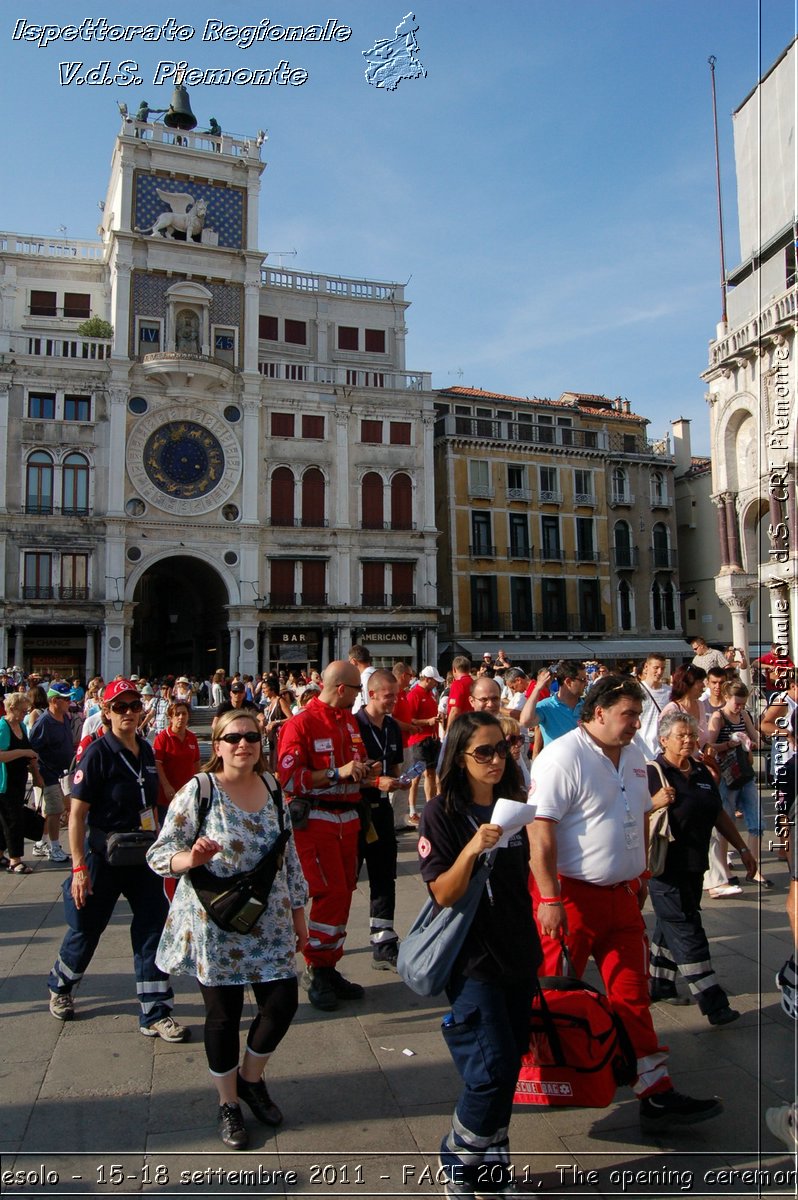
(401, 502)
(620, 484)
(663, 604)
(313, 498)
(661, 546)
(39, 483)
(282, 496)
(658, 492)
(625, 605)
(372, 501)
(75, 485)
(623, 545)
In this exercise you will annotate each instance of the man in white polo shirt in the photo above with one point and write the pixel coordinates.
(588, 841)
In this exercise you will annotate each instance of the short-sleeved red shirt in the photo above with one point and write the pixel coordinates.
(460, 695)
(178, 759)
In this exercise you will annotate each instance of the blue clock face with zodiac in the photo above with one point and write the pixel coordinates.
(184, 460)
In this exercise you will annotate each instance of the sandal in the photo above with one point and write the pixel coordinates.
(20, 868)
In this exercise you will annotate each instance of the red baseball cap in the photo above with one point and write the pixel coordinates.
(118, 688)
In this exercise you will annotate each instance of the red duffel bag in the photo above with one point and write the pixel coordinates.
(579, 1050)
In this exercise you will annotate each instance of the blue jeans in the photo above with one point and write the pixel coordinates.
(746, 799)
(143, 890)
(487, 1032)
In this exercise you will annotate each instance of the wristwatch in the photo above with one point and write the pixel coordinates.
(332, 774)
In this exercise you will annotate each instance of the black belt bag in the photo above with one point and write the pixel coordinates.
(237, 902)
(129, 849)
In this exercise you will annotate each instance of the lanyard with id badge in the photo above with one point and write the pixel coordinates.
(129, 848)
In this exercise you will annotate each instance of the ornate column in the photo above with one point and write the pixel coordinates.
(19, 647)
(3, 645)
(4, 401)
(792, 515)
(732, 531)
(723, 534)
(738, 605)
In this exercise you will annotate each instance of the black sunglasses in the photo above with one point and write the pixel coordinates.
(123, 706)
(232, 739)
(486, 754)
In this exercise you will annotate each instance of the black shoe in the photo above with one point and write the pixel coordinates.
(231, 1127)
(318, 983)
(384, 958)
(344, 989)
(663, 1110)
(660, 995)
(723, 1016)
(256, 1095)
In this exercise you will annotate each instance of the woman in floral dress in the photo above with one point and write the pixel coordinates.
(240, 826)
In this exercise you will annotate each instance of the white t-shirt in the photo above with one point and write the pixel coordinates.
(362, 698)
(600, 811)
(646, 738)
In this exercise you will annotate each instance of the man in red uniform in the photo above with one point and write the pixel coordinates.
(422, 707)
(321, 760)
(460, 691)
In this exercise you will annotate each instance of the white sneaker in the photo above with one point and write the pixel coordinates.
(167, 1029)
(781, 1122)
(57, 853)
(40, 850)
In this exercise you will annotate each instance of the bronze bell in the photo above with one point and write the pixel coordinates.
(179, 114)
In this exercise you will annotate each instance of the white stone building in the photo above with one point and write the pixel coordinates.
(240, 476)
(752, 373)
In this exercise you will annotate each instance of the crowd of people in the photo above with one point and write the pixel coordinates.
(310, 777)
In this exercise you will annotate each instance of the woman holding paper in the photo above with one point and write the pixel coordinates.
(491, 987)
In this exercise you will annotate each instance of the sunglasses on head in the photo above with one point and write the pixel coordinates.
(251, 736)
(486, 754)
(123, 706)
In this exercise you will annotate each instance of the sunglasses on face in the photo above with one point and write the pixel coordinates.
(514, 739)
(123, 706)
(232, 739)
(483, 755)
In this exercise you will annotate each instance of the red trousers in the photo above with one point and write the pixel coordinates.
(327, 850)
(606, 922)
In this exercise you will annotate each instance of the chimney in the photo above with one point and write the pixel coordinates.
(682, 450)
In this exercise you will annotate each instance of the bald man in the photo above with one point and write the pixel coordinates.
(321, 760)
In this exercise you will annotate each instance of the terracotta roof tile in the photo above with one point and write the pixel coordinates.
(577, 400)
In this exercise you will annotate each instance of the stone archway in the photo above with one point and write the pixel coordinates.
(180, 619)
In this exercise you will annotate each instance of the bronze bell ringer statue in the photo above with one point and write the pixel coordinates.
(179, 114)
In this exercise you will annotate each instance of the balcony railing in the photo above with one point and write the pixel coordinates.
(391, 600)
(38, 591)
(585, 555)
(621, 498)
(335, 375)
(406, 525)
(298, 522)
(482, 550)
(43, 509)
(661, 500)
(524, 552)
(332, 285)
(552, 554)
(65, 346)
(661, 559)
(481, 491)
(550, 496)
(585, 499)
(530, 432)
(50, 247)
(295, 600)
(556, 624)
(625, 557)
(519, 493)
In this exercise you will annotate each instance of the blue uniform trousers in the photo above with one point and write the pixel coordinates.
(143, 890)
(680, 943)
(487, 1032)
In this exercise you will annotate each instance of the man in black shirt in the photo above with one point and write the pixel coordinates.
(238, 699)
(383, 741)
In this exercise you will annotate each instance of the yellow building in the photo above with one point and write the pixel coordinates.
(557, 526)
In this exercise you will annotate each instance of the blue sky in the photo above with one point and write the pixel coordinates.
(548, 189)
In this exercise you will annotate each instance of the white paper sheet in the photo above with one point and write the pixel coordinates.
(512, 816)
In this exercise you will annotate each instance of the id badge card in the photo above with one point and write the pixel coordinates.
(148, 820)
(631, 832)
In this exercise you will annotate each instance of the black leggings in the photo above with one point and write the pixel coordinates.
(277, 1002)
